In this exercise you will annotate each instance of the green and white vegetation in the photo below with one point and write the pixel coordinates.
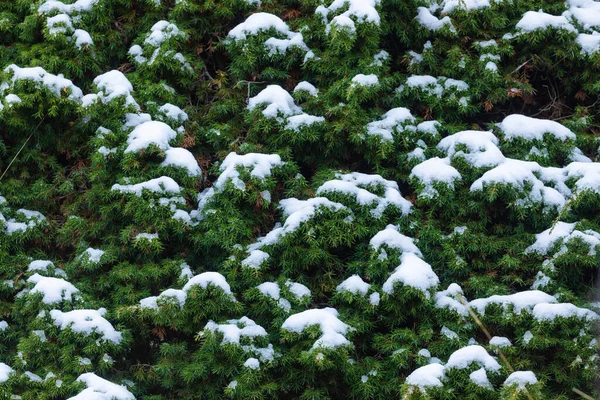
(299, 199)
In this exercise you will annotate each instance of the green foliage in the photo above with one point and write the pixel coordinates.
(294, 200)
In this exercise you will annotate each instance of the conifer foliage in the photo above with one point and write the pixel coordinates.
(299, 199)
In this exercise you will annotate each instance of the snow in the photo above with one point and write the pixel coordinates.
(519, 301)
(3, 325)
(520, 126)
(578, 156)
(394, 240)
(209, 278)
(32, 377)
(82, 38)
(456, 84)
(62, 20)
(12, 99)
(161, 32)
(298, 289)
(85, 361)
(137, 52)
(588, 175)
(260, 166)
(450, 334)
(57, 84)
(179, 296)
(39, 265)
(418, 154)
(296, 212)
(380, 58)
(150, 132)
(33, 218)
(159, 134)
(532, 21)
(234, 330)
(435, 170)
(427, 83)
(255, 259)
(416, 58)
(431, 22)
(365, 80)
(332, 329)
(114, 84)
(590, 43)
(252, 363)
(101, 389)
(521, 379)
(500, 341)
(173, 112)
(427, 376)
(586, 12)
(41, 335)
(258, 22)
(355, 184)
(354, 285)
(520, 175)
(480, 378)
(182, 158)
(186, 271)
(362, 10)
(54, 290)
(281, 46)
(105, 151)
(565, 232)
(541, 281)
(527, 336)
(481, 145)
(491, 66)
(308, 87)
(147, 236)
(278, 100)
(429, 127)
(412, 272)
(132, 120)
(486, 43)
(86, 322)
(94, 255)
(549, 312)
(78, 6)
(464, 357)
(448, 299)
(451, 5)
(271, 289)
(162, 185)
(394, 118)
(294, 123)
(374, 298)
(5, 372)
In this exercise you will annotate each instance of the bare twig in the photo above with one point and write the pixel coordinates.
(585, 396)
(520, 66)
(21, 149)
(248, 83)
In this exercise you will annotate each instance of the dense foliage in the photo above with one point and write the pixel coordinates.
(299, 199)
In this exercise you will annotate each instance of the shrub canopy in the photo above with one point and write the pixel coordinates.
(316, 199)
